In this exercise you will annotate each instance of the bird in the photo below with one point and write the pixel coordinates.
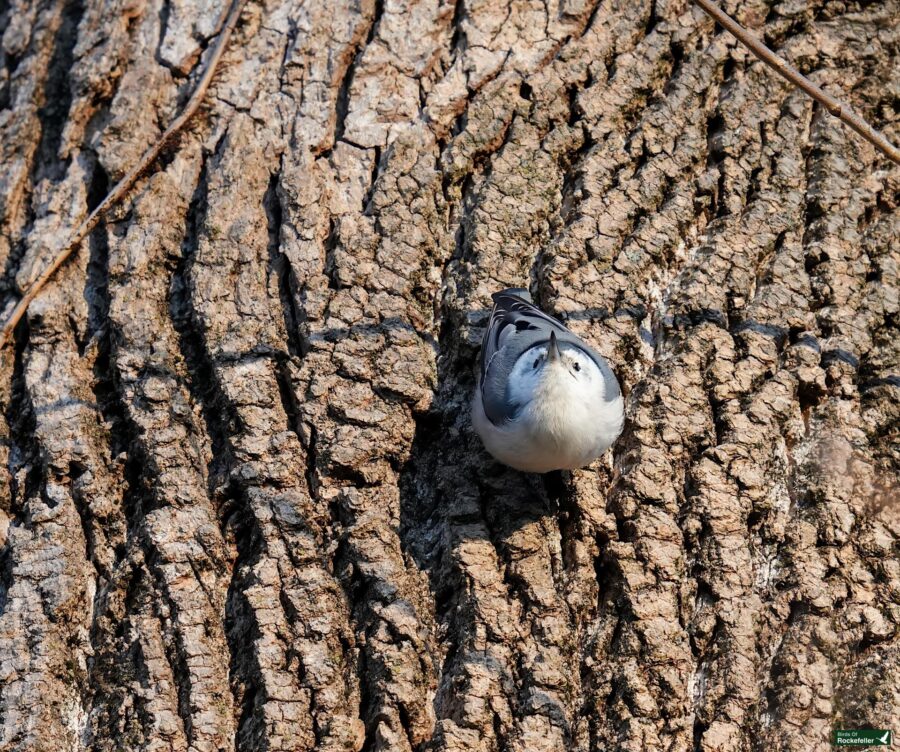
(544, 400)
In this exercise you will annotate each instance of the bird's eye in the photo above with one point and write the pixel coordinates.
(537, 362)
(578, 366)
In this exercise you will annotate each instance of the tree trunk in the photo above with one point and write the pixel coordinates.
(243, 504)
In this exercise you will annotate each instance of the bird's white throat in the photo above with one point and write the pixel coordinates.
(563, 408)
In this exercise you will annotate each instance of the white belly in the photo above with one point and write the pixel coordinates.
(558, 431)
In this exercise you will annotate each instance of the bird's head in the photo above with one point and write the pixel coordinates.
(553, 366)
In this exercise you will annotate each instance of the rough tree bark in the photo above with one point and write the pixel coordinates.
(242, 503)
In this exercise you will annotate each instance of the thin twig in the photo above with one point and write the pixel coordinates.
(783, 68)
(127, 182)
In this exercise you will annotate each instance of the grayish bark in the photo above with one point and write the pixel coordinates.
(242, 503)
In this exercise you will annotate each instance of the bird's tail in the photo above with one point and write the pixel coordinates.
(519, 292)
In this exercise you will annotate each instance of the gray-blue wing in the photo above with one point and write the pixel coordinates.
(515, 326)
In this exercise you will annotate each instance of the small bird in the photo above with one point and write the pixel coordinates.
(545, 400)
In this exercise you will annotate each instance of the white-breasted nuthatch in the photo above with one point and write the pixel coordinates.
(545, 400)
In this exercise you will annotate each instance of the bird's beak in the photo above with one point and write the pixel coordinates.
(553, 351)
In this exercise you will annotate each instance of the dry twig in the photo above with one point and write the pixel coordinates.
(783, 68)
(126, 183)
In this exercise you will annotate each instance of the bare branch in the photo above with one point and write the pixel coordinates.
(126, 183)
(783, 68)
